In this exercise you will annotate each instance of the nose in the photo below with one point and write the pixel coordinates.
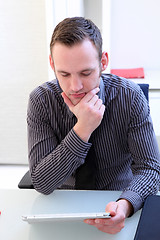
(76, 84)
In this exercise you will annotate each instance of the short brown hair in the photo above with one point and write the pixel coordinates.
(74, 30)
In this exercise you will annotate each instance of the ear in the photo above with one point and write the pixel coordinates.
(104, 61)
(51, 62)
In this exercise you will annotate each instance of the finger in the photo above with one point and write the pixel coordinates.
(89, 221)
(98, 103)
(102, 109)
(102, 221)
(90, 94)
(93, 100)
(112, 208)
(97, 221)
(110, 229)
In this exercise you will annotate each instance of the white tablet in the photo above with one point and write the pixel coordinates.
(63, 217)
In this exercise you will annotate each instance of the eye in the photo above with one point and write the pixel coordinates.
(64, 74)
(85, 74)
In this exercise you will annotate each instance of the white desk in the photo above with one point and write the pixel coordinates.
(15, 203)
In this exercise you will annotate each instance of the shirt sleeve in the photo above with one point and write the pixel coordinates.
(51, 163)
(145, 153)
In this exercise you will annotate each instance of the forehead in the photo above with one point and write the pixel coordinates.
(80, 55)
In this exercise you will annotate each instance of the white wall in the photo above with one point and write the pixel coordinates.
(56, 11)
(135, 42)
(26, 27)
(23, 66)
(135, 34)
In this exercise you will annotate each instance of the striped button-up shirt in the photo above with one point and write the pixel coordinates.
(126, 151)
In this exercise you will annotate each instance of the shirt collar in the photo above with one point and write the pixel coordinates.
(101, 93)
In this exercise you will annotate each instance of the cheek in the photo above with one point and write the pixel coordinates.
(63, 84)
(94, 82)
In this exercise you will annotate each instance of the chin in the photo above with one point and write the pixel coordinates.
(75, 101)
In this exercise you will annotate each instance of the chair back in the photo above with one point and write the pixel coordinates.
(145, 89)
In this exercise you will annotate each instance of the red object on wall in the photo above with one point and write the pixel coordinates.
(129, 72)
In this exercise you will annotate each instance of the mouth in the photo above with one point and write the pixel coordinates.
(78, 95)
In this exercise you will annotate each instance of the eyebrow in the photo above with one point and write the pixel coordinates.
(61, 71)
(88, 69)
(84, 70)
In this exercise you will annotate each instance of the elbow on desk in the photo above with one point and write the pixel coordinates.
(42, 189)
(42, 186)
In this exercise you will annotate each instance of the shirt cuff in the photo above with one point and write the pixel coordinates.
(76, 144)
(133, 198)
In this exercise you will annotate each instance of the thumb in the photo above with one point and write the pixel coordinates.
(112, 208)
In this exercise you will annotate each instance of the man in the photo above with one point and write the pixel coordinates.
(86, 110)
